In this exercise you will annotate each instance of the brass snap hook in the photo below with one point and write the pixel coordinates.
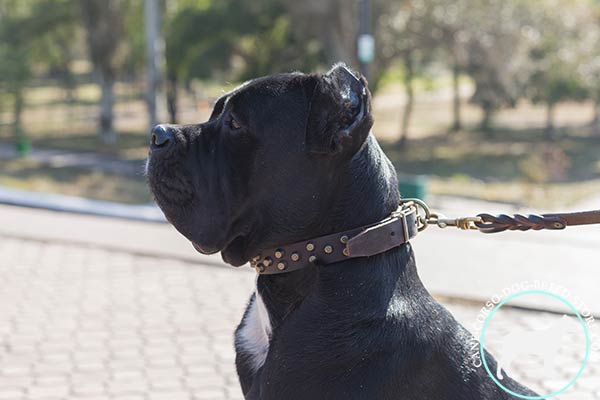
(425, 217)
(464, 223)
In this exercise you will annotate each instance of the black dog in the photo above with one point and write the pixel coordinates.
(290, 157)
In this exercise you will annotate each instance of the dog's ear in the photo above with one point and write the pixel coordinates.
(339, 113)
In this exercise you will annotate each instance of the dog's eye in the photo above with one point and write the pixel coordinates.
(233, 124)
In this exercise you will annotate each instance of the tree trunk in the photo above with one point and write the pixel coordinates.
(457, 123)
(17, 113)
(340, 31)
(107, 133)
(172, 98)
(410, 98)
(21, 143)
(67, 78)
(486, 121)
(550, 130)
(596, 120)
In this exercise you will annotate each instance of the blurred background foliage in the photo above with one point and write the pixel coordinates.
(472, 93)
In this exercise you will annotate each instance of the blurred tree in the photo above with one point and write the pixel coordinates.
(498, 58)
(132, 47)
(55, 50)
(449, 30)
(330, 29)
(24, 27)
(275, 48)
(404, 33)
(591, 80)
(333, 23)
(556, 56)
(227, 39)
(200, 40)
(103, 22)
(589, 68)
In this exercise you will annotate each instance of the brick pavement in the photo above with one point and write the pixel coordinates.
(83, 322)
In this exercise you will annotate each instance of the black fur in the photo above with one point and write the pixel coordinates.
(304, 164)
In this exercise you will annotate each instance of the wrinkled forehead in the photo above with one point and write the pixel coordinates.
(273, 86)
(260, 92)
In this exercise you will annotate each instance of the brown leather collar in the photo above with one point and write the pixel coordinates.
(364, 241)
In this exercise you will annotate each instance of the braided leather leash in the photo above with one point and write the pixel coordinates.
(488, 223)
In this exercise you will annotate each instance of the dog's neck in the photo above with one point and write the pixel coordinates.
(368, 193)
(369, 189)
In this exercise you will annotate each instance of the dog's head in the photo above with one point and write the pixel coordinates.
(265, 167)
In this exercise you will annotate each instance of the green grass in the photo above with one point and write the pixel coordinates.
(26, 175)
(517, 167)
(131, 145)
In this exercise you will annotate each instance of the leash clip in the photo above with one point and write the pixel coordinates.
(425, 217)
(464, 223)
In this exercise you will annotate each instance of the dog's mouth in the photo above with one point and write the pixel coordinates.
(233, 252)
(207, 250)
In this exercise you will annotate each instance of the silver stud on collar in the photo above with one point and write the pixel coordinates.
(312, 258)
(281, 265)
(279, 253)
(310, 246)
(345, 252)
(295, 256)
(344, 239)
(328, 249)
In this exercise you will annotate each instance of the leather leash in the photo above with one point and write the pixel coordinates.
(487, 223)
(411, 217)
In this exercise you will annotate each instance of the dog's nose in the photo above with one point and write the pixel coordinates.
(162, 137)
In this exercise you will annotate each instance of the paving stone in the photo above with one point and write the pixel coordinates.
(87, 389)
(52, 380)
(48, 392)
(129, 397)
(8, 393)
(127, 387)
(209, 394)
(128, 375)
(84, 323)
(157, 374)
(21, 382)
(166, 384)
(89, 367)
(15, 371)
(234, 393)
(48, 368)
(171, 395)
(213, 380)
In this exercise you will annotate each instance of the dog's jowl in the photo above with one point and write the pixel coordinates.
(284, 159)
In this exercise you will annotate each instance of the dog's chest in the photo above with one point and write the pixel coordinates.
(252, 339)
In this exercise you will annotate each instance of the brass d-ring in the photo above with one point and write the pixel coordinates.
(422, 218)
